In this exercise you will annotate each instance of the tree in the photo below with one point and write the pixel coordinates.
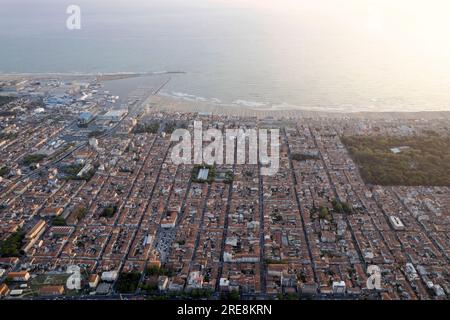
(347, 207)
(147, 128)
(153, 270)
(11, 246)
(128, 282)
(33, 158)
(4, 171)
(228, 177)
(5, 100)
(95, 133)
(424, 160)
(58, 221)
(323, 213)
(109, 212)
(80, 213)
(156, 271)
(231, 295)
(304, 157)
(337, 206)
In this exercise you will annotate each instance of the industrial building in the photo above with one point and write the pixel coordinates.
(85, 118)
(113, 115)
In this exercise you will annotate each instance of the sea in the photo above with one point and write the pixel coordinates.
(325, 55)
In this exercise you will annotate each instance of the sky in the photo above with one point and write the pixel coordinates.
(418, 18)
(415, 31)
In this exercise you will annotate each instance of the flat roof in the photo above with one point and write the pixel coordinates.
(397, 222)
(203, 174)
(115, 112)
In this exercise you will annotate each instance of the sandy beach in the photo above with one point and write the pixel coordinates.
(168, 103)
(171, 104)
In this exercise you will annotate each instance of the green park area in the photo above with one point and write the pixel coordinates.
(11, 246)
(33, 158)
(401, 161)
(5, 100)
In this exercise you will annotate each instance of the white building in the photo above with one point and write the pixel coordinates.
(113, 115)
(195, 280)
(109, 276)
(16, 293)
(93, 142)
(224, 283)
(438, 291)
(203, 174)
(396, 223)
(227, 257)
(339, 287)
(85, 170)
(163, 282)
(411, 272)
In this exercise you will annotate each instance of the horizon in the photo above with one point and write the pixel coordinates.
(204, 151)
(355, 54)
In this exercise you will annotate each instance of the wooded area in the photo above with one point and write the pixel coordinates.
(425, 161)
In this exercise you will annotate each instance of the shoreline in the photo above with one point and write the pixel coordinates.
(100, 76)
(169, 103)
(172, 104)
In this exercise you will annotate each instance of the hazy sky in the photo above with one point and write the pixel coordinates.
(426, 20)
(413, 31)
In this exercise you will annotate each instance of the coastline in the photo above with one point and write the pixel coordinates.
(169, 103)
(172, 104)
(100, 76)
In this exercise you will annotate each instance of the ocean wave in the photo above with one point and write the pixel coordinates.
(247, 103)
(166, 72)
(159, 72)
(188, 96)
(191, 97)
(285, 106)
